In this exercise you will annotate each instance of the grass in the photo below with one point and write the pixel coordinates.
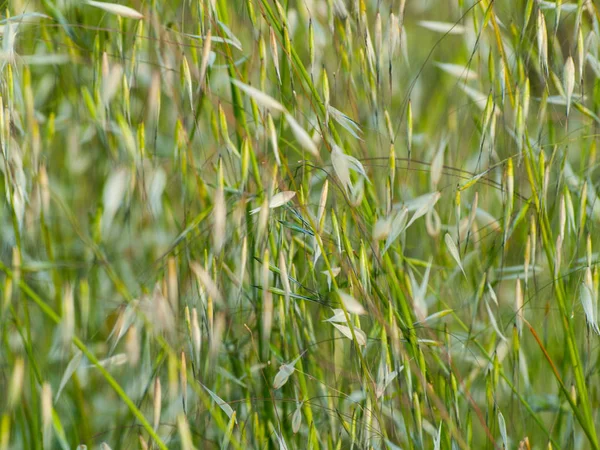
(281, 224)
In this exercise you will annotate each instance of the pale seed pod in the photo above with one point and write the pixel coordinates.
(287, 46)
(546, 184)
(172, 377)
(68, 321)
(154, 97)
(217, 335)
(44, 190)
(297, 419)
(84, 304)
(263, 218)
(223, 123)
(388, 123)
(284, 277)
(322, 204)
(542, 41)
(273, 137)
(157, 403)
(301, 135)
(418, 415)
(116, 9)
(433, 223)
(454, 251)
(172, 285)
(196, 336)
(188, 319)
(281, 11)
(401, 10)
(243, 257)
(132, 346)
(219, 217)
(126, 96)
(245, 166)
(184, 432)
(187, 76)
(252, 14)
(570, 210)
(229, 430)
(510, 189)
(105, 66)
(262, 52)
(533, 234)
(393, 36)
(274, 53)
(510, 183)
(205, 58)
(569, 81)
(526, 99)
(46, 402)
(325, 87)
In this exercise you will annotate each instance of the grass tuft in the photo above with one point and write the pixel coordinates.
(282, 224)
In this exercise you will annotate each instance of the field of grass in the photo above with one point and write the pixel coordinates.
(316, 224)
